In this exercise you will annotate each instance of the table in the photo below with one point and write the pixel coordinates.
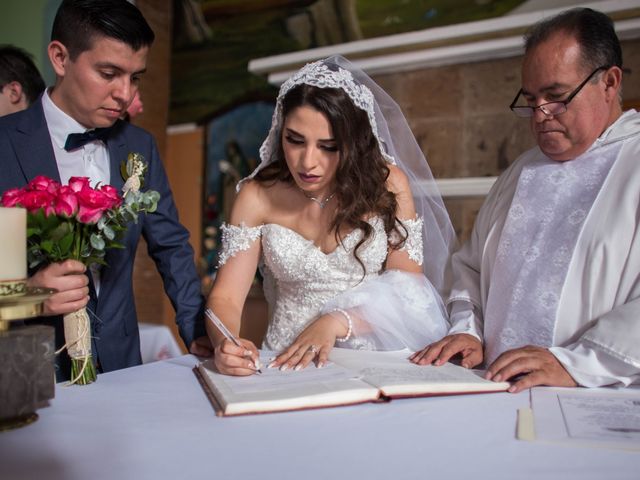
(154, 422)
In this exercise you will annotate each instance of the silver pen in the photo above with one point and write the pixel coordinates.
(228, 335)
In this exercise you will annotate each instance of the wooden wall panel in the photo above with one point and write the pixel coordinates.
(154, 92)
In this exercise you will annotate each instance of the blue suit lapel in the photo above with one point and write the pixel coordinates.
(33, 147)
(117, 146)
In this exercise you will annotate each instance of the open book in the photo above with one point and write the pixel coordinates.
(351, 377)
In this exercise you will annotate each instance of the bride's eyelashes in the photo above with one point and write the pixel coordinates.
(329, 148)
(293, 140)
(300, 141)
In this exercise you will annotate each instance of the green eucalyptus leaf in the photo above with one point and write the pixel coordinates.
(108, 233)
(35, 262)
(97, 242)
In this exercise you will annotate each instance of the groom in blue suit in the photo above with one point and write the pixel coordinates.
(98, 51)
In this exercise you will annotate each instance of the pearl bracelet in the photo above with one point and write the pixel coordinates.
(349, 325)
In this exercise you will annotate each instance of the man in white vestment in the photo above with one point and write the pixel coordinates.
(549, 281)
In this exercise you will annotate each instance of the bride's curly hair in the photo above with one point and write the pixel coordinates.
(362, 171)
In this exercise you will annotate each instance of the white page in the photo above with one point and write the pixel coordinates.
(274, 379)
(395, 374)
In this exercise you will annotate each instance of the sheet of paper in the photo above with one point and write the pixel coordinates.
(602, 417)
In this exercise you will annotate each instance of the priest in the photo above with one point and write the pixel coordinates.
(547, 289)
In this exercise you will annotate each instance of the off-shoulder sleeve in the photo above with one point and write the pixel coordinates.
(413, 245)
(236, 239)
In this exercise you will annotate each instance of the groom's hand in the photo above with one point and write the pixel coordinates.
(69, 280)
(201, 347)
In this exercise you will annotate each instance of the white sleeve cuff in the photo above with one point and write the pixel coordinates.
(463, 319)
(590, 367)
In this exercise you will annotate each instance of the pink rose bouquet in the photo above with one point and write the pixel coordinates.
(76, 221)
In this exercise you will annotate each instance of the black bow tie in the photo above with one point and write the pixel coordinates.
(77, 140)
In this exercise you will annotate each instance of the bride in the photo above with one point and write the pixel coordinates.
(345, 223)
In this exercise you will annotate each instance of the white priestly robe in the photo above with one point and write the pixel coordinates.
(596, 335)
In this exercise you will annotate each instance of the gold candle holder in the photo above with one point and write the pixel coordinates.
(26, 305)
(12, 288)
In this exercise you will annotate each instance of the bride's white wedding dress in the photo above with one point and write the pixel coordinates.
(301, 282)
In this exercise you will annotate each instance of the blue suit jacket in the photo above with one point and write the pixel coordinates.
(26, 151)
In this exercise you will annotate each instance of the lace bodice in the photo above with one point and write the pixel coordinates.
(299, 278)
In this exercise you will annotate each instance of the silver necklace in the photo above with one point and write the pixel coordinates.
(321, 203)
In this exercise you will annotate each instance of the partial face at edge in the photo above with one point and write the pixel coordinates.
(99, 85)
(310, 150)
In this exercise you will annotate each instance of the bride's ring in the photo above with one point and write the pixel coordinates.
(314, 349)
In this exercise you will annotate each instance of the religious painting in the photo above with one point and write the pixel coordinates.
(233, 142)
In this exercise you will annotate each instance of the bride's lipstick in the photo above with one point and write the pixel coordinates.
(309, 178)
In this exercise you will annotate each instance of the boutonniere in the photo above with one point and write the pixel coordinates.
(132, 172)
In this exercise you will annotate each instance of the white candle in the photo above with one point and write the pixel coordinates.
(13, 244)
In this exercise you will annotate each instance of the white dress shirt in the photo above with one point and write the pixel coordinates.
(91, 161)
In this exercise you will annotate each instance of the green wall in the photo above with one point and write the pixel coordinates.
(27, 24)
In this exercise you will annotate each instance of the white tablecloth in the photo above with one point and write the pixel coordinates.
(154, 422)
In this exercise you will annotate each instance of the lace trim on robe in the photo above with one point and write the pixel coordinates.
(413, 245)
(236, 239)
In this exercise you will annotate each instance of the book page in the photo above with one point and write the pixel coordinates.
(395, 375)
(273, 379)
(276, 390)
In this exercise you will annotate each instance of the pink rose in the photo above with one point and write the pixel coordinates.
(136, 106)
(92, 204)
(12, 197)
(66, 203)
(89, 215)
(78, 183)
(112, 194)
(42, 183)
(37, 199)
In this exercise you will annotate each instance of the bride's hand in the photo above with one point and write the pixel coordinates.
(315, 342)
(230, 359)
